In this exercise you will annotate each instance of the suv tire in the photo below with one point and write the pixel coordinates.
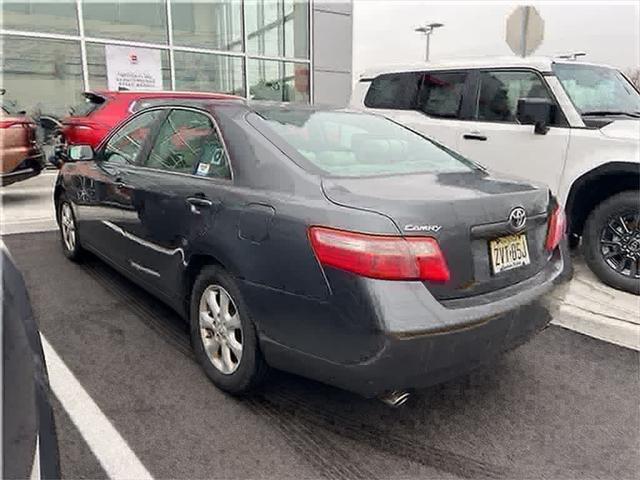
(218, 337)
(610, 210)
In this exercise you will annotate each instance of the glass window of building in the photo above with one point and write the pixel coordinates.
(97, 66)
(44, 17)
(278, 81)
(278, 28)
(271, 56)
(42, 77)
(217, 25)
(124, 20)
(214, 73)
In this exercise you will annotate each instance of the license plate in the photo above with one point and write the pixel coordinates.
(509, 252)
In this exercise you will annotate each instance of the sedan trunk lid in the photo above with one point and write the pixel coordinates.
(464, 212)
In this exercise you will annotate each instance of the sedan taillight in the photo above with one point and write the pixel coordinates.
(380, 256)
(557, 227)
(15, 124)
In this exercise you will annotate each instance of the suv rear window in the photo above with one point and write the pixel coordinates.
(90, 104)
(350, 144)
(396, 91)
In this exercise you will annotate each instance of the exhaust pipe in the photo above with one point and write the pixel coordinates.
(394, 398)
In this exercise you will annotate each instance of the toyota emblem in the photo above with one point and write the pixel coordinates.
(517, 219)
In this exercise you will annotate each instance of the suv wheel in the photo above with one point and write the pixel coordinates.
(223, 335)
(612, 241)
(68, 231)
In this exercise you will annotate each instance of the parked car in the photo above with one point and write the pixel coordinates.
(572, 125)
(336, 245)
(89, 122)
(29, 440)
(20, 155)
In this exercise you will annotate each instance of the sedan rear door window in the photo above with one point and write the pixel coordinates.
(189, 143)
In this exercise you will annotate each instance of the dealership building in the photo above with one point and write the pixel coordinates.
(281, 50)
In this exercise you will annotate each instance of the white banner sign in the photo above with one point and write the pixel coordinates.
(133, 68)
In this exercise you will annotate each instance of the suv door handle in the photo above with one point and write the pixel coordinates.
(475, 136)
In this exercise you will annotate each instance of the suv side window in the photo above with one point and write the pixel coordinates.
(127, 143)
(189, 143)
(441, 94)
(500, 91)
(396, 91)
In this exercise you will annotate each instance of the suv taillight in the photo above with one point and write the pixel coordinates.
(557, 227)
(380, 256)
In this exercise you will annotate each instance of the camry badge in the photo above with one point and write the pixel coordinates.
(422, 228)
(517, 219)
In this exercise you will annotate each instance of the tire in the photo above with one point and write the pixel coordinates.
(66, 220)
(597, 231)
(233, 373)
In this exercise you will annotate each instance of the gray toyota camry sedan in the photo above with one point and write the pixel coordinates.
(333, 244)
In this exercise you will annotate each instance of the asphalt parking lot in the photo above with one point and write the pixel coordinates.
(562, 406)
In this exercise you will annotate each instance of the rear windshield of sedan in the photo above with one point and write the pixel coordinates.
(354, 144)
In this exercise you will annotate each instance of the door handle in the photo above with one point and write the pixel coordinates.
(119, 183)
(199, 202)
(475, 136)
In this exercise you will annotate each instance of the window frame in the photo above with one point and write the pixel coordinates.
(156, 130)
(560, 120)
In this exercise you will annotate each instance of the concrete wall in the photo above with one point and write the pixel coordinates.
(332, 52)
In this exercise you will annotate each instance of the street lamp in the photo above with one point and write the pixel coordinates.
(428, 30)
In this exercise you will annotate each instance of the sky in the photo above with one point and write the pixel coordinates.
(383, 30)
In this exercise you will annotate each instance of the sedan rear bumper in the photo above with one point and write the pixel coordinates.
(418, 357)
(419, 361)
(30, 167)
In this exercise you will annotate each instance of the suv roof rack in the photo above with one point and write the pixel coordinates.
(571, 56)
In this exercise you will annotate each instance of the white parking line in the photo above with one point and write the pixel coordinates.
(112, 451)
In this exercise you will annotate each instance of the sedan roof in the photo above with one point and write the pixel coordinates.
(163, 94)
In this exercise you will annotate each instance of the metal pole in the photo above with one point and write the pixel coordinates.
(428, 34)
(523, 31)
(172, 61)
(83, 46)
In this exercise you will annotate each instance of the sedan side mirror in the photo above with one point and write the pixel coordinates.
(80, 152)
(539, 112)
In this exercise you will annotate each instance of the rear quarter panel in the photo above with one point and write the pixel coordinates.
(261, 236)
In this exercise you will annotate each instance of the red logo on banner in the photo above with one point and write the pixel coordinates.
(301, 78)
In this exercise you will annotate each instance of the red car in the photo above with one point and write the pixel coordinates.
(20, 155)
(103, 110)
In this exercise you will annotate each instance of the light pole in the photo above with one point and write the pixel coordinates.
(428, 30)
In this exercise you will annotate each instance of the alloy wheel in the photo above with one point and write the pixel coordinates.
(620, 244)
(68, 227)
(220, 329)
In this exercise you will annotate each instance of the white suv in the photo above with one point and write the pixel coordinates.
(572, 125)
